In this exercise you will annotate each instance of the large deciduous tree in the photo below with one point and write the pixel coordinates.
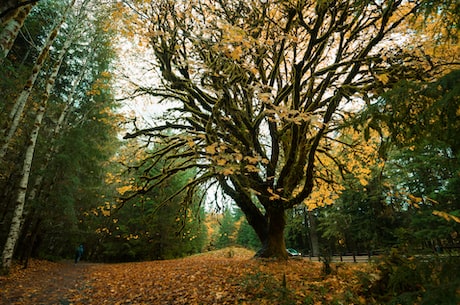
(260, 88)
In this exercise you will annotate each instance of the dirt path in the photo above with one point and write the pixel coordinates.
(43, 283)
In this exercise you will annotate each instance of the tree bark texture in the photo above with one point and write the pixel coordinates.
(67, 108)
(273, 246)
(18, 107)
(314, 241)
(10, 7)
(18, 217)
(11, 29)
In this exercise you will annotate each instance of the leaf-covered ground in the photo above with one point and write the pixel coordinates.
(228, 276)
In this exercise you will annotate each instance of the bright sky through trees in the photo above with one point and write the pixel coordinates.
(261, 89)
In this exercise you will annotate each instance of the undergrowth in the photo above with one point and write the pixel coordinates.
(416, 279)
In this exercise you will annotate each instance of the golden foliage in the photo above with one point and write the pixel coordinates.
(211, 149)
(251, 168)
(324, 194)
(349, 161)
(447, 216)
(384, 78)
(126, 188)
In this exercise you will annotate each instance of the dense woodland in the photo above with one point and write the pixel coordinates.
(330, 127)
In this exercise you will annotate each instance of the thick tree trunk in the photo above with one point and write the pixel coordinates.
(269, 227)
(31, 243)
(274, 246)
(254, 218)
(314, 241)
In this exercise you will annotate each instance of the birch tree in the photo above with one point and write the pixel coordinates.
(68, 107)
(70, 99)
(9, 7)
(52, 150)
(18, 216)
(10, 30)
(80, 136)
(15, 114)
(262, 87)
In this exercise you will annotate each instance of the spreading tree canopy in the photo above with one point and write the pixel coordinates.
(261, 88)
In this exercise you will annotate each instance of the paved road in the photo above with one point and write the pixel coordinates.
(347, 259)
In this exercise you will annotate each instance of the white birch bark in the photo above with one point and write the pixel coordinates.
(69, 105)
(6, 5)
(18, 107)
(11, 29)
(52, 149)
(19, 215)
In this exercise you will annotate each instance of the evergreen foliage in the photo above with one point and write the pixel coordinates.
(156, 225)
(227, 230)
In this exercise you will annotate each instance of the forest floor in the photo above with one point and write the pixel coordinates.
(227, 276)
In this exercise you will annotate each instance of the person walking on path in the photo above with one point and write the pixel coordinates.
(78, 253)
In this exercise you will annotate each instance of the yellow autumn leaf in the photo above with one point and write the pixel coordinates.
(252, 160)
(238, 157)
(363, 181)
(123, 189)
(252, 168)
(265, 97)
(414, 199)
(191, 143)
(432, 200)
(311, 206)
(273, 195)
(106, 74)
(228, 171)
(221, 162)
(447, 216)
(236, 53)
(211, 149)
(384, 78)
(222, 147)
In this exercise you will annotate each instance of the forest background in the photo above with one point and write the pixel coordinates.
(67, 177)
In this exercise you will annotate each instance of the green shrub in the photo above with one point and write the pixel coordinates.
(417, 279)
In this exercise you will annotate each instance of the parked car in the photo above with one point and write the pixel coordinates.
(293, 252)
